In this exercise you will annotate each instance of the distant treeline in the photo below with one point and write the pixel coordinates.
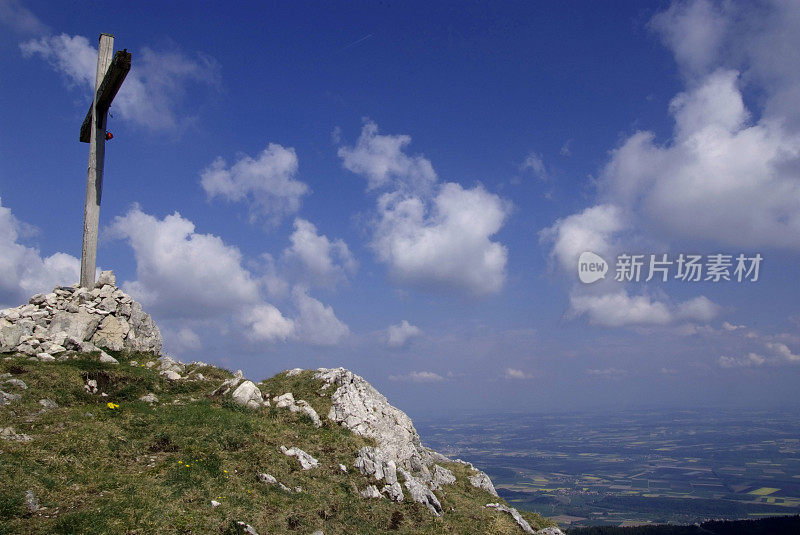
(778, 525)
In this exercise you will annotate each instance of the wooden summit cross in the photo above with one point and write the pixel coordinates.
(110, 75)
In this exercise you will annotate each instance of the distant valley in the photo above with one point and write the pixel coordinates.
(633, 468)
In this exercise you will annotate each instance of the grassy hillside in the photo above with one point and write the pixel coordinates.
(115, 464)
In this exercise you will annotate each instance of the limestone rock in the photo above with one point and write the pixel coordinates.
(360, 408)
(550, 530)
(45, 357)
(91, 386)
(482, 481)
(247, 528)
(284, 400)
(373, 462)
(166, 363)
(441, 476)
(227, 386)
(356, 405)
(106, 278)
(8, 433)
(521, 522)
(249, 395)
(268, 479)
(48, 404)
(10, 333)
(421, 493)
(307, 462)
(80, 325)
(287, 401)
(371, 492)
(105, 358)
(394, 492)
(6, 398)
(170, 375)
(109, 334)
(104, 316)
(19, 383)
(149, 398)
(304, 407)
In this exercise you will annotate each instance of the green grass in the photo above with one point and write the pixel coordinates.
(155, 468)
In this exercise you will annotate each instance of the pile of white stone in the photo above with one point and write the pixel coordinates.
(71, 318)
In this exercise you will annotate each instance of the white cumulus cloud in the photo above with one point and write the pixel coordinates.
(591, 230)
(749, 361)
(267, 181)
(418, 377)
(398, 335)
(182, 273)
(618, 308)
(513, 373)
(23, 270)
(315, 259)
(266, 323)
(153, 90)
(445, 243)
(380, 158)
(316, 324)
(430, 234)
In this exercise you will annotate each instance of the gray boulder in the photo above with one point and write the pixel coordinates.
(371, 492)
(80, 325)
(110, 334)
(249, 395)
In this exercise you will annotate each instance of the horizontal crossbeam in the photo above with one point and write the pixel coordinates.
(112, 81)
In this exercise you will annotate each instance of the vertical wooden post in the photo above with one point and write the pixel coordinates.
(94, 176)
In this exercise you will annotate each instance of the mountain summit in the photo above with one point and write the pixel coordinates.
(99, 433)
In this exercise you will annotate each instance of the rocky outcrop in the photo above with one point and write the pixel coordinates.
(79, 319)
(358, 406)
(307, 462)
(287, 401)
(363, 410)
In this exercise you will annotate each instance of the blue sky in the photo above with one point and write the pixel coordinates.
(404, 190)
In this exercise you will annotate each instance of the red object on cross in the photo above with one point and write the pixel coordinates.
(109, 136)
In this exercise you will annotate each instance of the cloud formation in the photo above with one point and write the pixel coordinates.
(181, 273)
(726, 177)
(316, 323)
(267, 182)
(380, 158)
(513, 373)
(430, 234)
(418, 377)
(398, 335)
(184, 275)
(152, 93)
(23, 270)
(316, 260)
(775, 354)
